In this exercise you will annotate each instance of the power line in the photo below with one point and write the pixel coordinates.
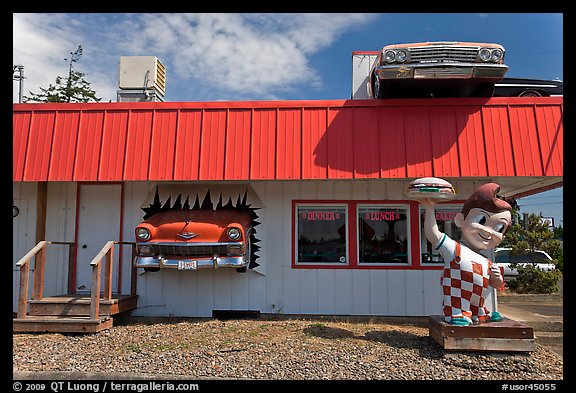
(539, 204)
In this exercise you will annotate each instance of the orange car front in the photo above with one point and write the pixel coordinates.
(194, 239)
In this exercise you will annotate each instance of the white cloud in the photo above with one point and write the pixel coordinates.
(212, 56)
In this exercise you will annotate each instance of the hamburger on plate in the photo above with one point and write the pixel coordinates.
(430, 187)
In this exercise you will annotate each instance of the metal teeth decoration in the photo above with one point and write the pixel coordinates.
(241, 205)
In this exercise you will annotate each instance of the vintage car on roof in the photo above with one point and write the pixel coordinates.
(437, 69)
(194, 239)
(525, 87)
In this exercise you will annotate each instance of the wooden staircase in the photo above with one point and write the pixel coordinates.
(70, 313)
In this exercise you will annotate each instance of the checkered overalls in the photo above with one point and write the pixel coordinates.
(464, 285)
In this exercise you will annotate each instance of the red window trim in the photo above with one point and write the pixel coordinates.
(352, 206)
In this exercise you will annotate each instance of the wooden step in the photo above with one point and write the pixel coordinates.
(79, 305)
(53, 324)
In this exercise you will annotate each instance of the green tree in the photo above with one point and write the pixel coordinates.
(73, 88)
(529, 235)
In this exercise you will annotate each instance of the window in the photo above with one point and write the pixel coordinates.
(382, 234)
(354, 234)
(321, 233)
(445, 220)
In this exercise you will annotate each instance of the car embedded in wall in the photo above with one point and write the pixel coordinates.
(437, 69)
(525, 87)
(186, 239)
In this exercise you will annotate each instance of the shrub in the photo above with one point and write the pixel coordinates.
(531, 279)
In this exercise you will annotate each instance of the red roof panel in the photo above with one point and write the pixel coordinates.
(39, 146)
(20, 133)
(340, 146)
(266, 140)
(263, 146)
(186, 159)
(549, 119)
(64, 146)
(163, 145)
(289, 144)
(136, 162)
(113, 146)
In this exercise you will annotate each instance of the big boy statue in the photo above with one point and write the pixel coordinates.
(467, 274)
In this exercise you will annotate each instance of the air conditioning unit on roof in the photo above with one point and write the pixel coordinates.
(142, 73)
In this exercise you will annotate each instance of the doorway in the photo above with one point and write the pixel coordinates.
(99, 221)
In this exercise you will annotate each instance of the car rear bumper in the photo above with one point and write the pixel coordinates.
(486, 72)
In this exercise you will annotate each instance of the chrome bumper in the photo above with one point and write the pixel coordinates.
(442, 71)
(202, 263)
(206, 255)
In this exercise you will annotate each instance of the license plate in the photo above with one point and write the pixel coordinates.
(187, 264)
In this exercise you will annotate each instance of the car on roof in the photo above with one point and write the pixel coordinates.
(437, 69)
(187, 239)
(525, 87)
(505, 258)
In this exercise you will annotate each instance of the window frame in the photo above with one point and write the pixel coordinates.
(353, 236)
(332, 265)
(408, 233)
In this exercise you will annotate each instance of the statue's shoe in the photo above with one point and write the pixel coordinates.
(495, 316)
(460, 321)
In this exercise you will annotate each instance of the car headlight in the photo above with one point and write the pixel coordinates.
(233, 233)
(142, 234)
(401, 56)
(485, 54)
(390, 56)
(496, 55)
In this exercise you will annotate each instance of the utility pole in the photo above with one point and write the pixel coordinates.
(20, 79)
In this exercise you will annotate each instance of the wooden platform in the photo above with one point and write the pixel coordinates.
(506, 336)
(53, 324)
(71, 314)
(79, 305)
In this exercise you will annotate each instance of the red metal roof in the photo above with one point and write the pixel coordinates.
(267, 140)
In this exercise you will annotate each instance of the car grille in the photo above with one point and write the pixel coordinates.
(189, 250)
(443, 54)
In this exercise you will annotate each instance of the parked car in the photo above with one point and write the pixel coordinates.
(538, 258)
(193, 239)
(523, 87)
(437, 69)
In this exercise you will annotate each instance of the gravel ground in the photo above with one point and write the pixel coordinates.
(290, 349)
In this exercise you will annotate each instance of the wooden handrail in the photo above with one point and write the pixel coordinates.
(107, 253)
(39, 250)
(32, 252)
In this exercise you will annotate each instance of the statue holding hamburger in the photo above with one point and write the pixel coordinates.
(467, 275)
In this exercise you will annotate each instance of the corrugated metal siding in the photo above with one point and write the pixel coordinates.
(281, 140)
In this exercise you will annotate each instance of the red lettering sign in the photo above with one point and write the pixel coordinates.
(319, 215)
(382, 216)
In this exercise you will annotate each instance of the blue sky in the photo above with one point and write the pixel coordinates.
(210, 57)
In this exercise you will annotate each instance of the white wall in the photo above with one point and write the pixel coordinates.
(23, 231)
(281, 288)
(60, 225)
(275, 288)
(361, 64)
